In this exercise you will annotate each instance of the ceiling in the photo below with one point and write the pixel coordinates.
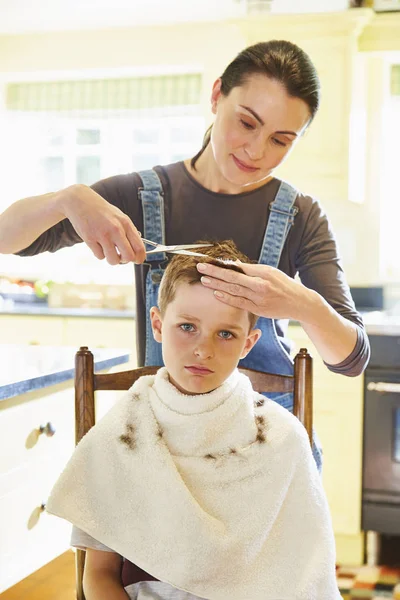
(23, 16)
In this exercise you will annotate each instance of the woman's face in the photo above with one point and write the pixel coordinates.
(255, 128)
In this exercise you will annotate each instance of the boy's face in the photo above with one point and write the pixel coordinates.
(202, 338)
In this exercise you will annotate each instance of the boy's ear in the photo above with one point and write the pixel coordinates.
(156, 323)
(251, 341)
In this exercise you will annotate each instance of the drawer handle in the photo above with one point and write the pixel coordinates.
(47, 429)
(35, 516)
(382, 386)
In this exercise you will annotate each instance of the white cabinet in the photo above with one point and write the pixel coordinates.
(101, 333)
(29, 466)
(28, 329)
(30, 463)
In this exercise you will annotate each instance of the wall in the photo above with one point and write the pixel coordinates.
(207, 46)
(322, 164)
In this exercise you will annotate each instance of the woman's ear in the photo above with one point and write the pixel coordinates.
(215, 95)
(156, 323)
(251, 341)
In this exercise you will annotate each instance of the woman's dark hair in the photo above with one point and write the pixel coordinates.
(279, 60)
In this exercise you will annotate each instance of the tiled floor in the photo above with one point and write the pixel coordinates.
(369, 583)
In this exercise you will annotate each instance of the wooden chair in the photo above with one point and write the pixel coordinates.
(87, 382)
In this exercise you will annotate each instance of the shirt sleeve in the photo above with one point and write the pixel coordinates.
(59, 236)
(355, 363)
(319, 266)
(119, 190)
(82, 540)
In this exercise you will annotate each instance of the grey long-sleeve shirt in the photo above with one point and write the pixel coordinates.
(192, 212)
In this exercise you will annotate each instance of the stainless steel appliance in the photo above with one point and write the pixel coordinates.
(381, 452)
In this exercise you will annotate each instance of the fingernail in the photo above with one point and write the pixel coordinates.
(205, 280)
(218, 294)
(202, 267)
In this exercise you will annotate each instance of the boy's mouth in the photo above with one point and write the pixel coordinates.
(198, 370)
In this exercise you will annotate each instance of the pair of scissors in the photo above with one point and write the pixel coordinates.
(177, 249)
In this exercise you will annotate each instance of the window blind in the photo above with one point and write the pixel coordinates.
(123, 94)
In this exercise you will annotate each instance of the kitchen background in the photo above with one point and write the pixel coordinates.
(89, 89)
(123, 93)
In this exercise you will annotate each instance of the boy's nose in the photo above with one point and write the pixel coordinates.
(204, 350)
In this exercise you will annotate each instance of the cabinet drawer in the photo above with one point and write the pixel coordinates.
(101, 333)
(29, 538)
(338, 416)
(21, 418)
(21, 329)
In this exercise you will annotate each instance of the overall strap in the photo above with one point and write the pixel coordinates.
(280, 220)
(152, 199)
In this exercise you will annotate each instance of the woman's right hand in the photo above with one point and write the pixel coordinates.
(108, 232)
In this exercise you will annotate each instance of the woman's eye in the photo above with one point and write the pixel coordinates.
(187, 327)
(226, 335)
(278, 142)
(246, 125)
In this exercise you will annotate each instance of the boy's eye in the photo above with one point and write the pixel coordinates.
(187, 327)
(246, 124)
(226, 335)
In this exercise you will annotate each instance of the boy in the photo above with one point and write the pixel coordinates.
(204, 484)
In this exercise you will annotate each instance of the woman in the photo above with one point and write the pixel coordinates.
(263, 103)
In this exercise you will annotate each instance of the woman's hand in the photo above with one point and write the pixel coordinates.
(267, 292)
(108, 232)
(262, 290)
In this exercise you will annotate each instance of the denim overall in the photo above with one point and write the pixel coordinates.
(268, 354)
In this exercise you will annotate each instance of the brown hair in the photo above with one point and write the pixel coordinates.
(279, 60)
(182, 269)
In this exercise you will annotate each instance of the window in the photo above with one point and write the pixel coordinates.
(87, 137)
(57, 134)
(64, 152)
(82, 131)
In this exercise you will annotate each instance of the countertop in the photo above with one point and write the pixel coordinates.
(26, 368)
(377, 323)
(41, 309)
(381, 323)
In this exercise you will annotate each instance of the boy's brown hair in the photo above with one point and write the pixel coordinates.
(182, 269)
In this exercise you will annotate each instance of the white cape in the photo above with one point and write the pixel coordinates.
(217, 494)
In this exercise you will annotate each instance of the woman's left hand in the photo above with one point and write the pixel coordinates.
(262, 290)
